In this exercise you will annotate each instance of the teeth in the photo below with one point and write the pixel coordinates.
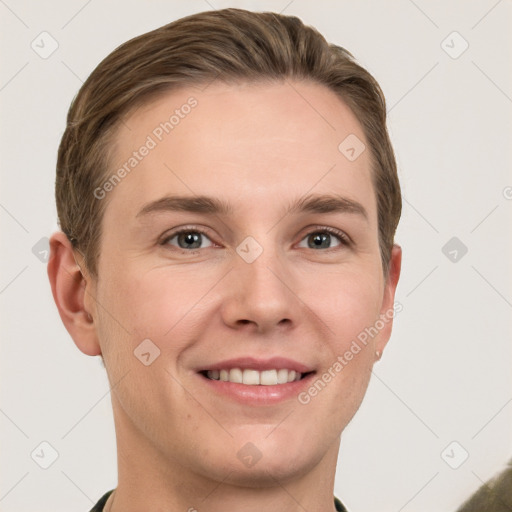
(282, 376)
(251, 377)
(268, 377)
(235, 375)
(254, 377)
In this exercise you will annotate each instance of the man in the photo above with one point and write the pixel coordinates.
(228, 198)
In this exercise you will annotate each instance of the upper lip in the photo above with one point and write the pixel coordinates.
(251, 363)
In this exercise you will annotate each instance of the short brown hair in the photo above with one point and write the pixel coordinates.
(226, 45)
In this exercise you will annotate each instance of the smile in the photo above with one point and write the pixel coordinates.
(253, 382)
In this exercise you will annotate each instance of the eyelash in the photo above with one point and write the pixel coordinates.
(343, 238)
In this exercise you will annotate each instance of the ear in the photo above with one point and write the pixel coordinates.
(388, 310)
(74, 294)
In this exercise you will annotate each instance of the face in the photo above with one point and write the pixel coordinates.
(272, 277)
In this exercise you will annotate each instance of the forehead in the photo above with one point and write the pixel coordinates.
(251, 143)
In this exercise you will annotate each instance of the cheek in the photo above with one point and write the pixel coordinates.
(348, 304)
(140, 304)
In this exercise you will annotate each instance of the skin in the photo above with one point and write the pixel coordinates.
(258, 147)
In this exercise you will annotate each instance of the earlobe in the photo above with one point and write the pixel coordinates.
(69, 288)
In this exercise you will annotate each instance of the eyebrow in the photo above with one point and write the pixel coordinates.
(314, 203)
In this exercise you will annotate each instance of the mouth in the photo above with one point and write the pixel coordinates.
(255, 382)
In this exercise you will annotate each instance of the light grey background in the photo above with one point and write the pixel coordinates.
(445, 375)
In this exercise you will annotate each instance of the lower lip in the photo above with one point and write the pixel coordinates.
(258, 394)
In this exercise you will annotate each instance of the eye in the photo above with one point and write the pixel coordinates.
(188, 239)
(322, 238)
(193, 239)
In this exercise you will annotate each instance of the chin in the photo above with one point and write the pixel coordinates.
(279, 467)
(259, 459)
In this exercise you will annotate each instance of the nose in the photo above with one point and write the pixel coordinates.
(259, 295)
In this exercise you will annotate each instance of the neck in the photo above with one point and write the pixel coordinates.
(148, 480)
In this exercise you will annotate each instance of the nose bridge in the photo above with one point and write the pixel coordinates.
(260, 290)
